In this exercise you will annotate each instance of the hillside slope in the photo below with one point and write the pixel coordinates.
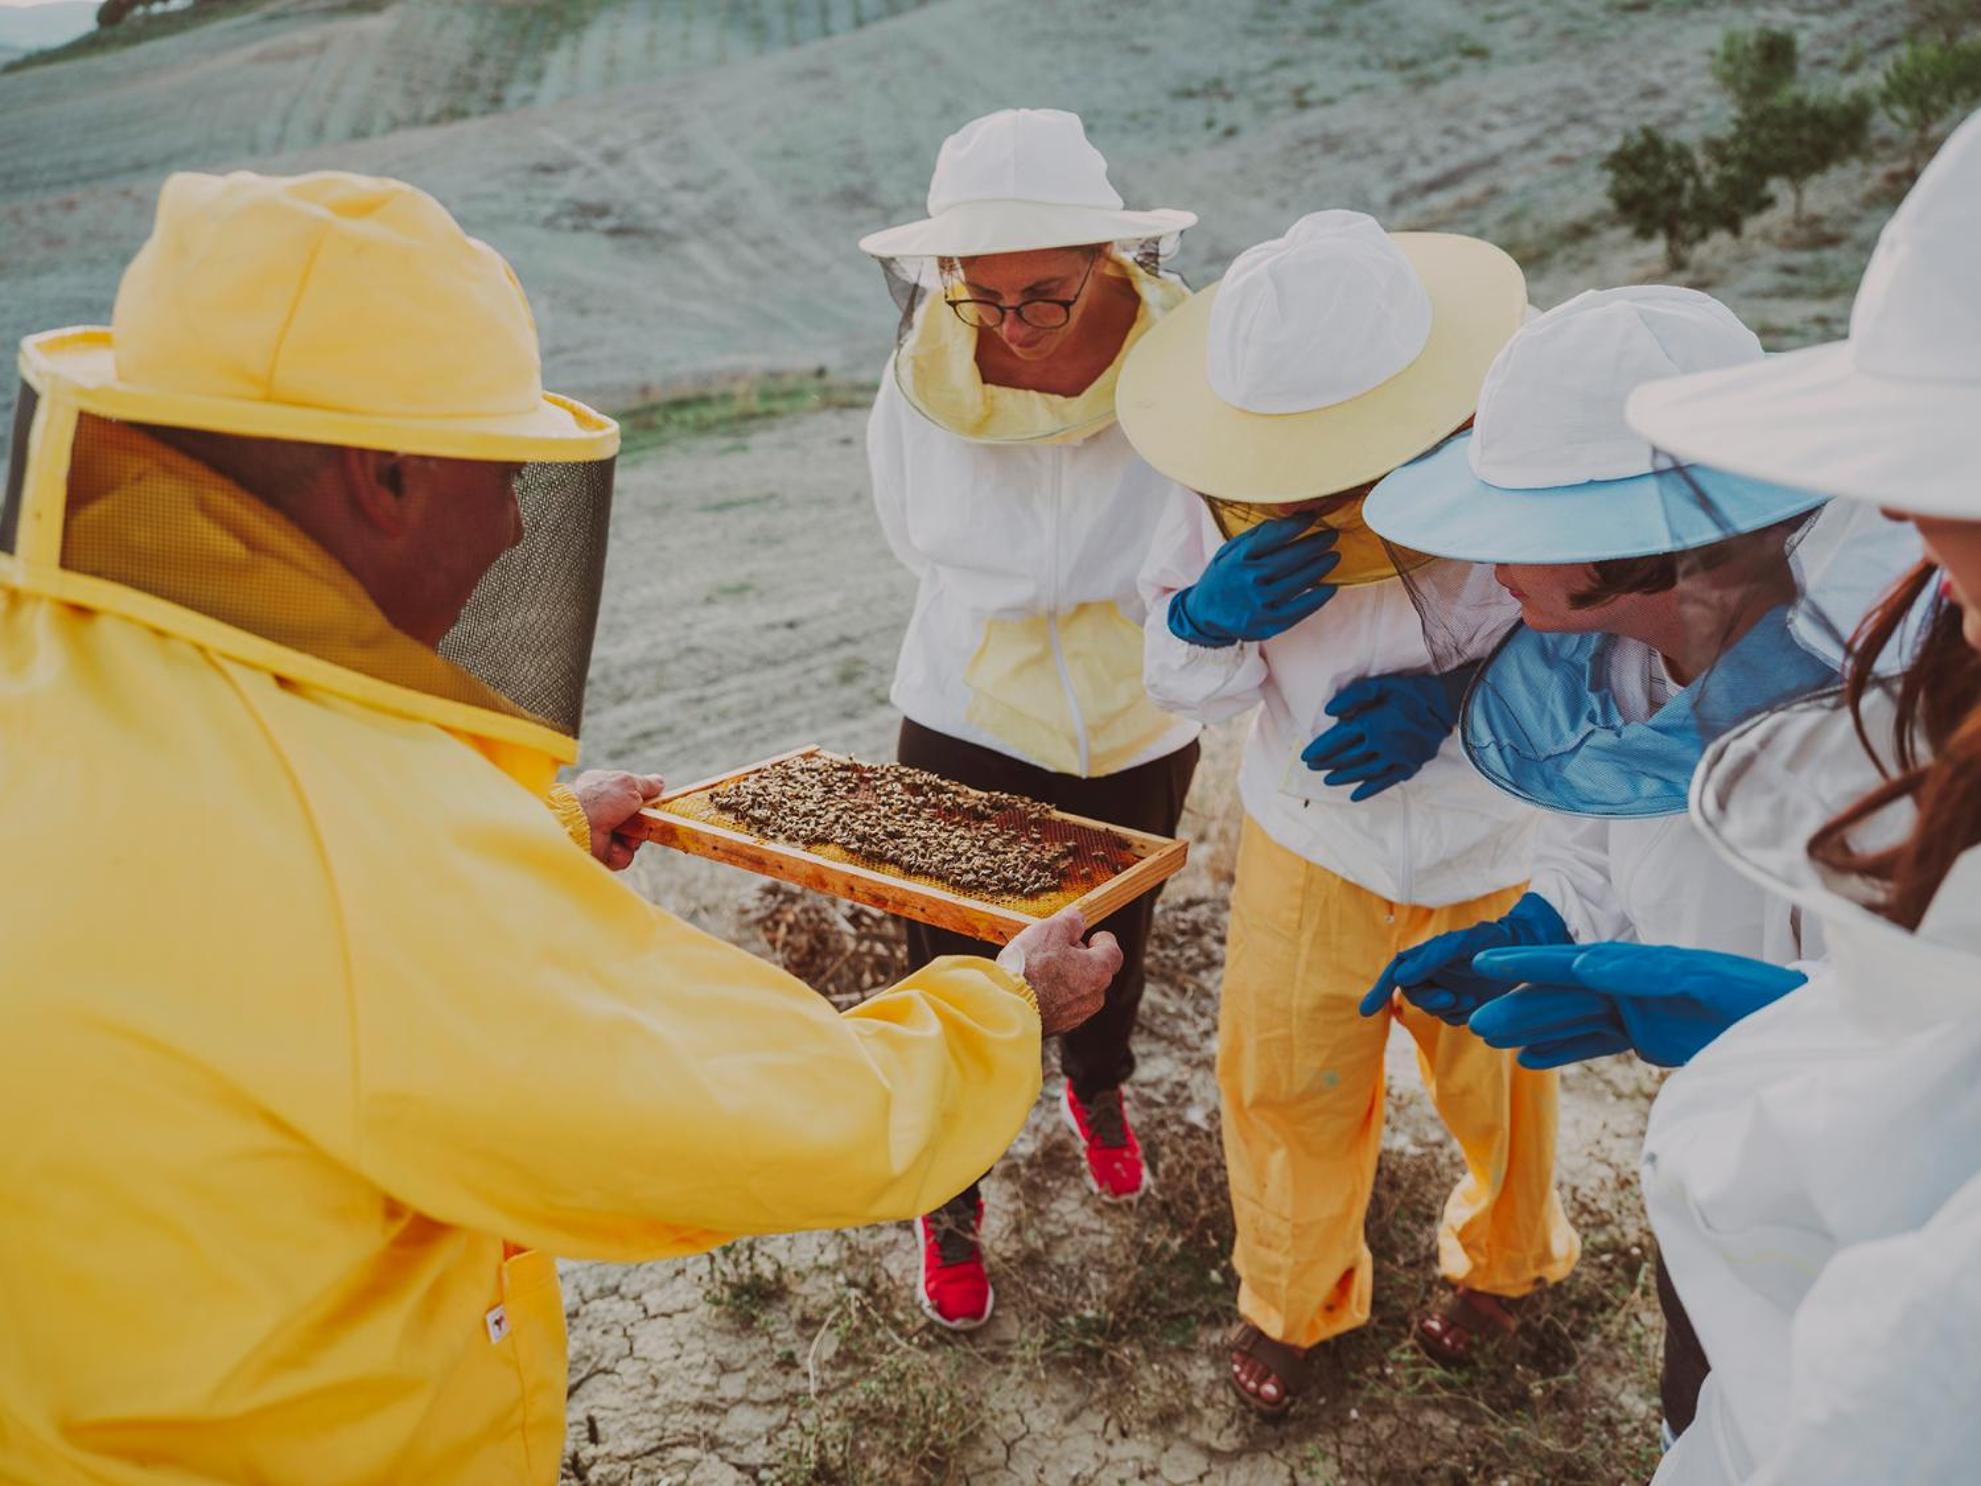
(675, 225)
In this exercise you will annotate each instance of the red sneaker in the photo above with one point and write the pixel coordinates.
(1114, 1156)
(955, 1290)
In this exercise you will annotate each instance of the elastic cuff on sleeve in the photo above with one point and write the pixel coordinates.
(1017, 985)
(570, 815)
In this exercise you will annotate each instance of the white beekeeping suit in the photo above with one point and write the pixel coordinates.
(1814, 1174)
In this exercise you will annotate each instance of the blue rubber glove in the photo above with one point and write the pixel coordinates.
(1263, 581)
(1389, 728)
(1588, 1000)
(1437, 976)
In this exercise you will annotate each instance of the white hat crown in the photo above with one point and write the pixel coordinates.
(1918, 311)
(1551, 408)
(1021, 154)
(1328, 311)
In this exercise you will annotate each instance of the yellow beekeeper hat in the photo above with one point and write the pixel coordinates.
(1323, 360)
(329, 308)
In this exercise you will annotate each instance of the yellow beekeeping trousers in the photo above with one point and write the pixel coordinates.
(1301, 1075)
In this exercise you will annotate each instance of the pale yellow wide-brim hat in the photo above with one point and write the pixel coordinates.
(1323, 360)
(326, 308)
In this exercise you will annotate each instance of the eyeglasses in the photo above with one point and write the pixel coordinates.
(1040, 314)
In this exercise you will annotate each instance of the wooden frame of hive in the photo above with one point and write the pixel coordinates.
(1158, 858)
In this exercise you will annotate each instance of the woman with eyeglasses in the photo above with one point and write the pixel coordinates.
(1005, 487)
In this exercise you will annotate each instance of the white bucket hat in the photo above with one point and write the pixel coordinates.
(1019, 179)
(1891, 415)
(1551, 473)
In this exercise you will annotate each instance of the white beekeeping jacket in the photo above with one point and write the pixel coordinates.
(1027, 628)
(1442, 837)
(1814, 1176)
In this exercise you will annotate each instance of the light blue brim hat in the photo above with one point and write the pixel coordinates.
(1436, 504)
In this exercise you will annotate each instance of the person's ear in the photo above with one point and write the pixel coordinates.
(376, 483)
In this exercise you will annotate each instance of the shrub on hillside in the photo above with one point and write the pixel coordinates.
(1927, 83)
(1781, 132)
(1660, 189)
(1755, 67)
(1797, 136)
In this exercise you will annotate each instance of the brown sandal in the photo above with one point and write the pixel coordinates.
(1448, 1336)
(1286, 1365)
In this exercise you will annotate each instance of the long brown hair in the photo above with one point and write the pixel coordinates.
(1938, 753)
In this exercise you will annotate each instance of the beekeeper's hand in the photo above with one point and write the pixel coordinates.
(1259, 584)
(1069, 978)
(611, 797)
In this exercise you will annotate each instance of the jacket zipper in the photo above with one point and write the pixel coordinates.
(1058, 457)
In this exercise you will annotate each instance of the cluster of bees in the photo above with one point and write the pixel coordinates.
(978, 842)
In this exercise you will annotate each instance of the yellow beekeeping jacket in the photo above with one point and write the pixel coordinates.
(318, 1039)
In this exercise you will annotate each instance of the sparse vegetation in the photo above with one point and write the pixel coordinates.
(734, 405)
(1925, 86)
(1660, 188)
(1782, 131)
(744, 1282)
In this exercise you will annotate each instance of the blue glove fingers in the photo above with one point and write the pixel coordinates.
(1414, 966)
(1388, 779)
(1539, 1012)
(1287, 612)
(1359, 767)
(1357, 696)
(1299, 566)
(1335, 744)
(1664, 970)
(1280, 533)
(1545, 964)
(1545, 1055)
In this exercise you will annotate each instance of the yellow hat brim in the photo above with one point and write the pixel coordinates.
(557, 430)
(1186, 431)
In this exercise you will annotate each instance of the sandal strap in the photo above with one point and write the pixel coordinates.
(1288, 1362)
(1478, 1310)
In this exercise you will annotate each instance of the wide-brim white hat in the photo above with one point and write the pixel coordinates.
(1891, 415)
(973, 228)
(1817, 419)
(1017, 180)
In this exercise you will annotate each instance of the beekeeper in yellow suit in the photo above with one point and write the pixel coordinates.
(317, 1036)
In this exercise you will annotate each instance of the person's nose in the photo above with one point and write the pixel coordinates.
(1018, 333)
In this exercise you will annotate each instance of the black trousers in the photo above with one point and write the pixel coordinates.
(1685, 1365)
(1149, 797)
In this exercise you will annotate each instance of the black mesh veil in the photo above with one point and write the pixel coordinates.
(10, 503)
(491, 603)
